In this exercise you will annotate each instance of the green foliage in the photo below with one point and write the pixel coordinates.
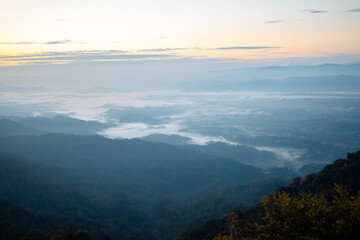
(321, 206)
(311, 216)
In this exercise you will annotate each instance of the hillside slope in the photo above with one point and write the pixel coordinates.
(345, 172)
(140, 188)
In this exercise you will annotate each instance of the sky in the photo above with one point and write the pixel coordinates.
(195, 34)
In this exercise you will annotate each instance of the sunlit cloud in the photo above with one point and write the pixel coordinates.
(65, 41)
(208, 49)
(230, 56)
(98, 57)
(244, 48)
(58, 42)
(80, 56)
(119, 55)
(162, 49)
(67, 53)
(19, 43)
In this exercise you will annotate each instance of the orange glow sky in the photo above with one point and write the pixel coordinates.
(256, 29)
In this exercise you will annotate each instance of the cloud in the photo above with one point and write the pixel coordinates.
(354, 10)
(138, 130)
(58, 42)
(68, 53)
(274, 21)
(161, 49)
(107, 55)
(315, 11)
(206, 49)
(65, 41)
(18, 43)
(81, 56)
(286, 155)
(243, 48)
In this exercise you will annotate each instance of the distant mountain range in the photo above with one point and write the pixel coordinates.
(326, 77)
(292, 84)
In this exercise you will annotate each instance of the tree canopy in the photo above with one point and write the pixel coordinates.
(310, 216)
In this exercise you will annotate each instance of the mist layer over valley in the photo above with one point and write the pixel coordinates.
(294, 121)
(160, 162)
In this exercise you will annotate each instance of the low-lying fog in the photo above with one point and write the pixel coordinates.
(292, 126)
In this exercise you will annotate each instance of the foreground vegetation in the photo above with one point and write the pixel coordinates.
(310, 216)
(325, 205)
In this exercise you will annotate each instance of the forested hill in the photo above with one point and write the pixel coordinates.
(343, 172)
(120, 187)
(163, 166)
(12, 128)
(133, 187)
